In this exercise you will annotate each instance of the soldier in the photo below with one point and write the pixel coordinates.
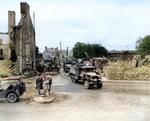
(47, 83)
(39, 83)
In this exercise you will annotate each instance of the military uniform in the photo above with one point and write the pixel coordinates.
(47, 83)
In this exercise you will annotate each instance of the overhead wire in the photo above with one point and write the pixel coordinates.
(87, 42)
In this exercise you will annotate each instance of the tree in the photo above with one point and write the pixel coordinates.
(99, 50)
(36, 49)
(78, 50)
(143, 46)
(93, 50)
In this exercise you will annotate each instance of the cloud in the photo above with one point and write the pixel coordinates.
(115, 25)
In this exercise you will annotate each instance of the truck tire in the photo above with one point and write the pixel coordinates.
(86, 85)
(99, 86)
(74, 80)
(11, 97)
(71, 78)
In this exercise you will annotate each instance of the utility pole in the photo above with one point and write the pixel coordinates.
(67, 52)
(60, 51)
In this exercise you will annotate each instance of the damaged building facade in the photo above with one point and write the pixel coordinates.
(19, 42)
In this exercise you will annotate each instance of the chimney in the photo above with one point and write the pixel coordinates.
(11, 20)
(24, 7)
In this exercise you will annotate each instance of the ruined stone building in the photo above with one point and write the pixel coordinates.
(19, 42)
(50, 53)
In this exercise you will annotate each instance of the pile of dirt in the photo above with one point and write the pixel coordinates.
(7, 68)
(123, 70)
(57, 98)
(60, 97)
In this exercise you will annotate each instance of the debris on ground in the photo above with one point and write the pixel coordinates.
(123, 70)
(7, 68)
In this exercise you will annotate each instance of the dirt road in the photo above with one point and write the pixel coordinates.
(116, 101)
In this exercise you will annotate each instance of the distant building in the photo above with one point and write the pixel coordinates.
(50, 53)
(122, 55)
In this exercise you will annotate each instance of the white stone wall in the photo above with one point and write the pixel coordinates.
(4, 38)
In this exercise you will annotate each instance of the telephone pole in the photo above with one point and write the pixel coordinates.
(60, 51)
(67, 52)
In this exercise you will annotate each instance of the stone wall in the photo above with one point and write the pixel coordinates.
(6, 51)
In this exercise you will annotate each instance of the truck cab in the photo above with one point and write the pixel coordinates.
(90, 77)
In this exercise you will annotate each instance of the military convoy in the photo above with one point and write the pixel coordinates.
(85, 72)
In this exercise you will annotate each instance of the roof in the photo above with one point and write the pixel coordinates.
(122, 51)
(49, 50)
(4, 33)
(10, 78)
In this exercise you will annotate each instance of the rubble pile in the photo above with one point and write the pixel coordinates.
(124, 70)
(7, 68)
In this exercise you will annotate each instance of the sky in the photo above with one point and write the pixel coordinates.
(115, 24)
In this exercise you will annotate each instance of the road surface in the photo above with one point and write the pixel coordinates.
(116, 101)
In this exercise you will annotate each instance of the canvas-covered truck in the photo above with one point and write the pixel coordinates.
(75, 70)
(66, 65)
(85, 73)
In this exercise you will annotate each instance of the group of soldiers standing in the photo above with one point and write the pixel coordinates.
(43, 82)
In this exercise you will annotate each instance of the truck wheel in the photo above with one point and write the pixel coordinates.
(86, 85)
(74, 79)
(99, 86)
(12, 97)
(71, 78)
